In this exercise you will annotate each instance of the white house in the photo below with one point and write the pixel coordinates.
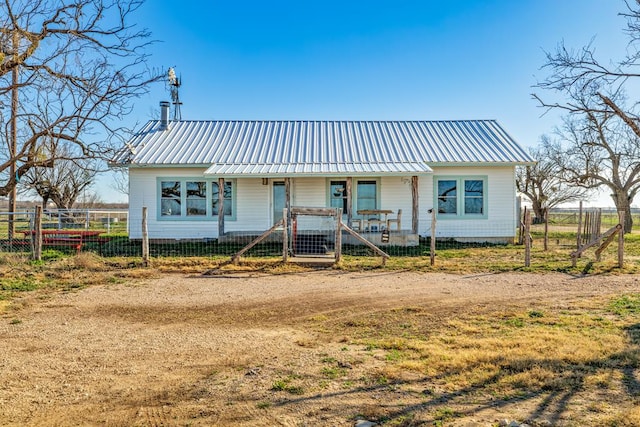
(465, 169)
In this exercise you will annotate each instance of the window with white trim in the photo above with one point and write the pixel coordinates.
(461, 197)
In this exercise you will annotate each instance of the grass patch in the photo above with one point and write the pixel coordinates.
(19, 284)
(284, 384)
(626, 305)
(441, 415)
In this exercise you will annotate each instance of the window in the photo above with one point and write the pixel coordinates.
(215, 198)
(473, 196)
(461, 197)
(447, 197)
(194, 199)
(170, 200)
(367, 195)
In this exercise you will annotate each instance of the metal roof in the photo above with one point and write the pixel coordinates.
(276, 147)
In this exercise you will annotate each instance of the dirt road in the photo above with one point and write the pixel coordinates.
(219, 350)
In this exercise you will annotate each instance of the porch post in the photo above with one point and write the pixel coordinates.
(414, 211)
(349, 201)
(220, 207)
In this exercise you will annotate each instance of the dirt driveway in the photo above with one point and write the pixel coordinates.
(194, 350)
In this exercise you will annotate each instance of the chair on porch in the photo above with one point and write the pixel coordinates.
(377, 222)
(357, 225)
(397, 220)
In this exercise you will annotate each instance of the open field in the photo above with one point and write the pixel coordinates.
(318, 348)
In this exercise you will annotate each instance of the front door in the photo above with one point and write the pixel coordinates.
(279, 200)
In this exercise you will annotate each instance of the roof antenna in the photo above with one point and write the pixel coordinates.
(175, 83)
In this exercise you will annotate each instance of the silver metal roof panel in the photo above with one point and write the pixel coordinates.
(322, 147)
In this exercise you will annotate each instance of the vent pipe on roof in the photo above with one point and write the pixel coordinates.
(164, 115)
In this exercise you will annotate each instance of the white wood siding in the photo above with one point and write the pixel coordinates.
(395, 193)
(254, 204)
(311, 192)
(501, 206)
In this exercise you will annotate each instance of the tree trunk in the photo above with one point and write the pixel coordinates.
(538, 211)
(622, 202)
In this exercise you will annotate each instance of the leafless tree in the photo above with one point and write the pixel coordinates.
(69, 71)
(120, 181)
(64, 182)
(602, 132)
(599, 149)
(543, 183)
(90, 200)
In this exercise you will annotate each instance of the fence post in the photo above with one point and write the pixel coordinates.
(338, 244)
(37, 236)
(521, 226)
(621, 241)
(432, 249)
(527, 239)
(546, 229)
(220, 208)
(578, 236)
(285, 235)
(145, 238)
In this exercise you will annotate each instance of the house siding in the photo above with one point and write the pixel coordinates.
(500, 221)
(254, 204)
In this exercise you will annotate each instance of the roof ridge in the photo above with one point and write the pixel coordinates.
(330, 120)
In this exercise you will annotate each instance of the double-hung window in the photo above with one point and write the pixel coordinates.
(194, 199)
(461, 197)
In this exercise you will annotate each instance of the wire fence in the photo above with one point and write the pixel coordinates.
(106, 233)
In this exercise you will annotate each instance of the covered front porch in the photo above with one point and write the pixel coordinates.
(369, 204)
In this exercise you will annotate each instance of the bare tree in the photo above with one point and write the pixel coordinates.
(543, 183)
(600, 149)
(601, 131)
(71, 69)
(120, 181)
(90, 200)
(63, 183)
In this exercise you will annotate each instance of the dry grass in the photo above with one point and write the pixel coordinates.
(18, 274)
(547, 358)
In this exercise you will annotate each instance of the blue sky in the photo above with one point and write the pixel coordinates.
(370, 60)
